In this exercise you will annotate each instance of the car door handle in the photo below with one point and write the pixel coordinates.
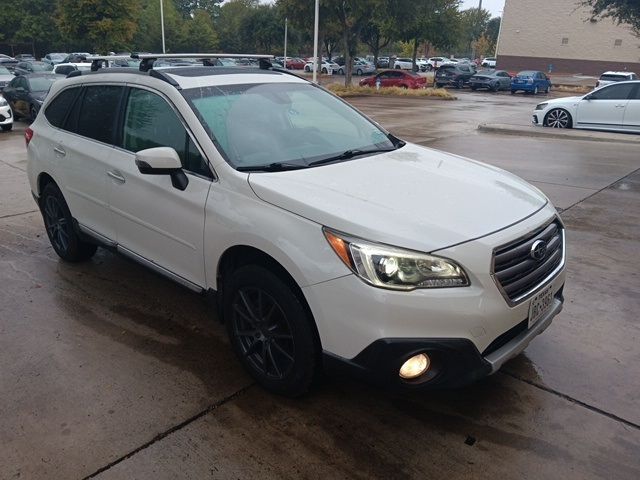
(60, 151)
(116, 176)
(620, 106)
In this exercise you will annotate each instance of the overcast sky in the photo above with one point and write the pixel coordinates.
(494, 6)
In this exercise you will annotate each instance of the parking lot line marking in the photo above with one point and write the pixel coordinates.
(17, 214)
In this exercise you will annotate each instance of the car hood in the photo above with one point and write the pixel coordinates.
(414, 197)
(562, 101)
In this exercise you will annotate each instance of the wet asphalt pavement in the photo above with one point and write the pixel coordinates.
(108, 370)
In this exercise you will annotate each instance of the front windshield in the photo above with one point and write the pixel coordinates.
(4, 71)
(41, 84)
(258, 125)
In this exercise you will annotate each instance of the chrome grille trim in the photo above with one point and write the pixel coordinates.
(514, 266)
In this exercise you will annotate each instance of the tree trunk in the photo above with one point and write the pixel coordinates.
(415, 54)
(347, 58)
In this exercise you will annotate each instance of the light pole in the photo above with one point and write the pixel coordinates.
(315, 42)
(162, 25)
(473, 47)
(286, 25)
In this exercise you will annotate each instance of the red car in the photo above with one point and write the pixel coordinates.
(295, 63)
(395, 78)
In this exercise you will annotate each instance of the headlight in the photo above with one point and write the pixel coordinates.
(395, 268)
(3, 101)
(541, 106)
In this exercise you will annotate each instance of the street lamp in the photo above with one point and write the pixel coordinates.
(315, 43)
(162, 25)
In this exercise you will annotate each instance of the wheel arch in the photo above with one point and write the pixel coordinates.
(240, 255)
(43, 180)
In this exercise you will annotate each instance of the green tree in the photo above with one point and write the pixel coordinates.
(261, 29)
(622, 11)
(199, 33)
(473, 24)
(493, 29)
(382, 27)
(148, 36)
(188, 8)
(103, 25)
(29, 22)
(228, 23)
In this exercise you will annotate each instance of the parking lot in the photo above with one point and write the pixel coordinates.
(110, 371)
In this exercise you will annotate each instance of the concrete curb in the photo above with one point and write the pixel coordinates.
(585, 135)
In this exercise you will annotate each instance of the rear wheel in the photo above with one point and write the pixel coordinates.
(558, 118)
(60, 229)
(270, 330)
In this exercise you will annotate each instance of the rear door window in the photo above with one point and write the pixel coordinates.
(98, 115)
(614, 92)
(56, 112)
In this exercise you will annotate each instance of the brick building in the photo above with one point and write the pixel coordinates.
(558, 35)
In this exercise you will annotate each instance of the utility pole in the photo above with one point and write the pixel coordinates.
(315, 42)
(164, 50)
(286, 26)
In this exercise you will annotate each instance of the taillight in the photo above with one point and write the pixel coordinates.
(28, 135)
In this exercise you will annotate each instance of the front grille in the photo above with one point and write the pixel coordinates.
(516, 270)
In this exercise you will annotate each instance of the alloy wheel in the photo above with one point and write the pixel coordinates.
(56, 224)
(557, 119)
(263, 333)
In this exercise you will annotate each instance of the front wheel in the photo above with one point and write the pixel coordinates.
(359, 72)
(324, 70)
(558, 118)
(397, 67)
(60, 229)
(307, 69)
(460, 84)
(7, 128)
(270, 330)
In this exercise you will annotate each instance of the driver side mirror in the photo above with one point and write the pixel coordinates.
(589, 97)
(162, 161)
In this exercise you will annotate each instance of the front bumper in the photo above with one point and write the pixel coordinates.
(455, 362)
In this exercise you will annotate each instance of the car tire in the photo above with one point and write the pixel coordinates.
(340, 72)
(60, 227)
(460, 84)
(397, 67)
(359, 72)
(546, 90)
(270, 330)
(439, 85)
(535, 90)
(494, 87)
(33, 113)
(307, 69)
(474, 88)
(558, 118)
(7, 128)
(513, 92)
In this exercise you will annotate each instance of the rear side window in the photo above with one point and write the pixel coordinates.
(151, 122)
(97, 117)
(57, 110)
(614, 78)
(614, 92)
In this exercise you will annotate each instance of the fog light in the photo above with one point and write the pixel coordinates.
(415, 366)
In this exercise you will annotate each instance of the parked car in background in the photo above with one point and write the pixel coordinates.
(325, 67)
(614, 107)
(403, 64)
(395, 78)
(54, 58)
(25, 93)
(8, 63)
(455, 75)
(422, 64)
(21, 57)
(27, 67)
(76, 57)
(383, 62)
(5, 77)
(295, 63)
(489, 62)
(608, 78)
(67, 68)
(2, 55)
(359, 68)
(531, 81)
(435, 62)
(493, 80)
(6, 116)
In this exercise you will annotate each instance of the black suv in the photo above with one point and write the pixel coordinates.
(456, 75)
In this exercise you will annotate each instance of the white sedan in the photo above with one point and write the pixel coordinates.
(326, 67)
(614, 107)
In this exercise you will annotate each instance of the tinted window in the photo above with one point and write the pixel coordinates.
(614, 92)
(41, 84)
(637, 94)
(150, 122)
(98, 113)
(56, 111)
(614, 78)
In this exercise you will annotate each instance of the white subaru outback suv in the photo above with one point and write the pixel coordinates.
(327, 242)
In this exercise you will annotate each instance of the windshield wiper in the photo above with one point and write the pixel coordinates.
(273, 167)
(350, 154)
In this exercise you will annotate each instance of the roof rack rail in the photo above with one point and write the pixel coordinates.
(148, 59)
(97, 61)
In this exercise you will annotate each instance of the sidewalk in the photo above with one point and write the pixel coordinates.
(565, 134)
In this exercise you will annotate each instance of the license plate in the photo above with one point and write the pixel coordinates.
(540, 305)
